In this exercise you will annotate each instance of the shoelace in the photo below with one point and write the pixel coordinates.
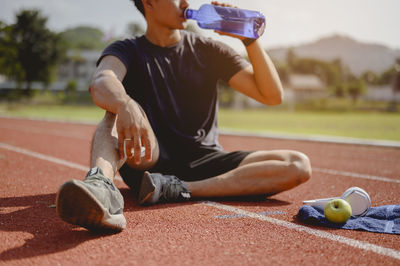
(113, 206)
(172, 188)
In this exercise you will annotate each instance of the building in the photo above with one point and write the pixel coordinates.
(79, 67)
(303, 87)
(382, 93)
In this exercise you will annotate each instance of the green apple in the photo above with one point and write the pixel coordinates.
(337, 211)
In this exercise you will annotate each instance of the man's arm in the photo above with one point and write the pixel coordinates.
(109, 93)
(259, 81)
(106, 87)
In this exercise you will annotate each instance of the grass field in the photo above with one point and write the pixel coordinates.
(382, 126)
(365, 125)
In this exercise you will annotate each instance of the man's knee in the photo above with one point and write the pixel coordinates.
(106, 127)
(108, 120)
(105, 131)
(301, 167)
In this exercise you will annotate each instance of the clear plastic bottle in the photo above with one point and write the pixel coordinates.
(246, 23)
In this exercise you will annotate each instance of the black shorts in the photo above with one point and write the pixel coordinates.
(210, 163)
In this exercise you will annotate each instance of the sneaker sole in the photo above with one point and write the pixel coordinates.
(76, 205)
(147, 189)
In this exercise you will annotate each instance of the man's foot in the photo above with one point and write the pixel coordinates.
(162, 188)
(94, 203)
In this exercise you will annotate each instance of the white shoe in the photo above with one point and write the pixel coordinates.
(358, 199)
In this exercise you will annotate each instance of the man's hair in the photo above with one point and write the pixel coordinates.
(139, 5)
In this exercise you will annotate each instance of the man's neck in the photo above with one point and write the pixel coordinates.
(163, 38)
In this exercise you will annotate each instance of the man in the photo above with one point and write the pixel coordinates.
(159, 93)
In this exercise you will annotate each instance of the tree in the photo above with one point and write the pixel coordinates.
(370, 77)
(386, 77)
(84, 38)
(396, 77)
(38, 50)
(339, 90)
(291, 58)
(9, 65)
(355, 88)
(283, 72)
(395, 85)
(329, 72)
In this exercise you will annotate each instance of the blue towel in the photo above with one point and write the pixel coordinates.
(383, 219)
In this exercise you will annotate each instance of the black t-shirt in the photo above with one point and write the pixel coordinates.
(176, 87)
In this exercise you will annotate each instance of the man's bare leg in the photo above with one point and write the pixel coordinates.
(105, 154)
(262, 172)
(96, 203)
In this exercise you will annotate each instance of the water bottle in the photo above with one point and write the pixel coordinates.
(246, 23)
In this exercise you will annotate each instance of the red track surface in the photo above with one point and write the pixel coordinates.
(194, 233)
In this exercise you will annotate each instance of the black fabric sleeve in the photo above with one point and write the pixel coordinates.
(123, 50)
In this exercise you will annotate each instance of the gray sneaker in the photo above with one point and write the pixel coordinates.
(94, 203)
(162, 188)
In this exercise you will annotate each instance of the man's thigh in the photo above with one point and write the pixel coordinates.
(211, 164)
(206, 166)
(274, 155)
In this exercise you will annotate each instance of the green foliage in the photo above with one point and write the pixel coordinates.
(386, 77)
(29, 51)
(226, 94)
(9, 65)
(337, 78)
(356, 88)
(396, 80)
(328, 72)
(71, 91)
(389, 76)
(339, 90)
(370, 78)
(84, 38)
(283, 72)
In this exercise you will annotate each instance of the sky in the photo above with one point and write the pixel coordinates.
(289, 22)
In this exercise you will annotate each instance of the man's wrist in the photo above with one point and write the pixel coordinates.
(248, 41)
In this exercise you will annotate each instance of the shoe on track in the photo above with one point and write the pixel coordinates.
(162, 188)
(94, 203)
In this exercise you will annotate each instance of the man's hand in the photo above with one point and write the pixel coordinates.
(132, 128)
(216, 3)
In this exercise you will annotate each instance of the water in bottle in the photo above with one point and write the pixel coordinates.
(246, 23)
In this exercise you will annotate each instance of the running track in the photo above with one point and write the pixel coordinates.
(36, 157)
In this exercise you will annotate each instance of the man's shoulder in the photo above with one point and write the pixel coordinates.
(128, 42)
(122, 49)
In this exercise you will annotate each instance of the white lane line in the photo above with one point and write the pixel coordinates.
(318, 233)
(51, 132)
(315, 169)
(313, 138)
(355, 175)
(86, 168)
(348, 241)
(48, 158)
(44, 157)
